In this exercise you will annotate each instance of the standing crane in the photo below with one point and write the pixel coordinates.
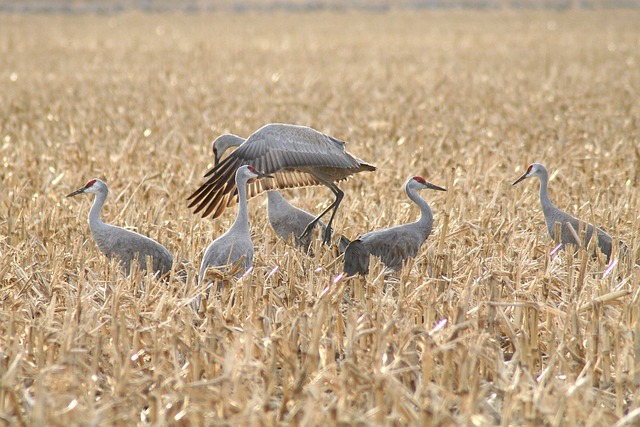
(117, 242)
(395, 244)
(569, 224)
(297, 156)
(288, 221)
(235, 245)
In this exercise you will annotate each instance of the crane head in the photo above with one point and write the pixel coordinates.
(534, 169)
(92, 186)
(422, 183)
(222, 144)
(257, 173)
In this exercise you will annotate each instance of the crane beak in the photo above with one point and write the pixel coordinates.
(523, 177)
(78, 191)
(264, 175)
(430, 186)
(260, 175)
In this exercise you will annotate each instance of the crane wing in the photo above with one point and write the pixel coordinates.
(288, 152)
(394, 245)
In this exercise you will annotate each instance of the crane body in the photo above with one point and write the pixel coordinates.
(393, 245)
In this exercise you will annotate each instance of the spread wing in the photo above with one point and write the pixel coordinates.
(289, 152)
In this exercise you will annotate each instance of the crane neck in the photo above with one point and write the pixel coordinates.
(426, 217)
(544, 192)
(242, 220)
(95, 222)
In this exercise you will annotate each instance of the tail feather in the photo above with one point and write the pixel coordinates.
(356, 258)
(343, 243)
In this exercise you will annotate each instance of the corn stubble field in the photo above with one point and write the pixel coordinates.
(483, 327)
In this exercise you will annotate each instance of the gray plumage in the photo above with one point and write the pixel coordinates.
(236, 243)
(117, 242)
(297, 156)
(553, 215)
(395, 244)
(288, 221)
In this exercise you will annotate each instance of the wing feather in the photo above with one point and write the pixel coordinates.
(394, 245)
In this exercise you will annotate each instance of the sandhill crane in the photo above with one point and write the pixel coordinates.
(395, 244)
(117, 242)
(553, 215)
(298, 156)
(236, 243)
(288, 221)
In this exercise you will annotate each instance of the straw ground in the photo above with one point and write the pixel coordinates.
(483, 327)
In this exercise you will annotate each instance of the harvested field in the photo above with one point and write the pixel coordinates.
(484, 327)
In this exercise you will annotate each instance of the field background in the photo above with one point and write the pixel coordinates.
(483, 327)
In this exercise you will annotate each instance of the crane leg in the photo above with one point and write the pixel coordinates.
(329, 229)
(327, 232)
(306, 234)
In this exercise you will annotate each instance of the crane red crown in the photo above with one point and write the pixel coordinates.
(252, 169)
(90, 183)
(420, 179)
